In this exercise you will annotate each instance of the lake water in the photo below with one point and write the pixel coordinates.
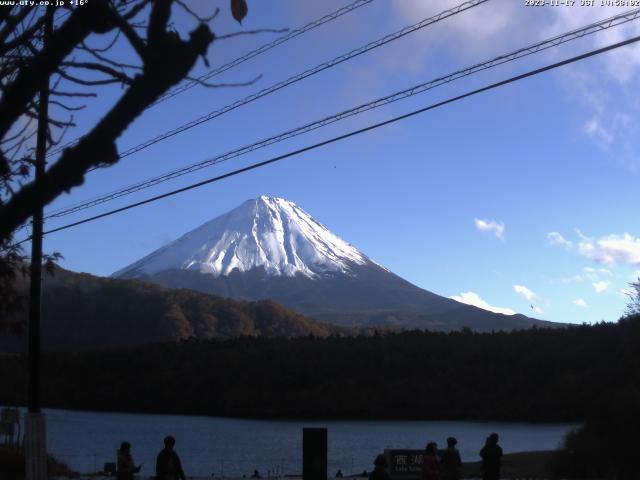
(234, 447)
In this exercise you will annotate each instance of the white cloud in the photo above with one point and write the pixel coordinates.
(608, 250)
(612, 249)
(578, 302)
(600, 287)
(594, 129)
(497, 228)
(472, 298)
(537, 309)
(603, 88)
(623, 64)
(524, 292)
(588, 273)
(556, 238)
(476, 31)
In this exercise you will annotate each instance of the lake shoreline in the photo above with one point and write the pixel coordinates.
(86, 440)
(293, 418)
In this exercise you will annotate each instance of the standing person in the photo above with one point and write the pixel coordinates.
(126, 468)
(491, 455)
(168, 466)
(450, 460)
(380, 469)
(430, 467)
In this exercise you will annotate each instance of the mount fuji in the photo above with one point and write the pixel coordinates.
(270, 248)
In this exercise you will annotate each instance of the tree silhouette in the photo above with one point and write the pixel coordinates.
(633, 307)
(164, 59)
(72, 48)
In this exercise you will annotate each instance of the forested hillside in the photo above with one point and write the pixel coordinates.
(82, 311)
(538, 374)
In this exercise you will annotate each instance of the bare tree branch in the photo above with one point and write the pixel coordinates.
(80, 24)
(134, 39)
(24, 129)
(67, 107)
(11, 22)
(27, 35)
(122, 77)
(199, 18)
(87, 83)
(98, 147)
(111, 43)
(102, 58)
(72, 94)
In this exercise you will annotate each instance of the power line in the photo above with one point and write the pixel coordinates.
(301, 76)
(420, 88)
(350, 134)
(248, 56)
(264, 48)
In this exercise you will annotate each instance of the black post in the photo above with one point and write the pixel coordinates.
(36, 241)
(314, 454)
(35, 435)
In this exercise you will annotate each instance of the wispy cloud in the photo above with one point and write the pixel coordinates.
(601, 286)
(497, 228)
(611, 122)
(524, 292)
(555, 238)
(612, 249)
(472, 298)
(579, 302)
(537, 309)
(473, 33)
(607, 250)
(597, 271)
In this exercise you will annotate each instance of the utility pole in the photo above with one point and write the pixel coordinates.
(35, 436)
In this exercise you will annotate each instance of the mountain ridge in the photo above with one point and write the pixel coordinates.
(271, 248)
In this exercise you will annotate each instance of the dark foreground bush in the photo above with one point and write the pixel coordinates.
(12, 465)
(606, 446)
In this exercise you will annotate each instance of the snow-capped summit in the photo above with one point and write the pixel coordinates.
(269, 248)
(267, 232)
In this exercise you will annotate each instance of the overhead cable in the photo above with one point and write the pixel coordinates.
(420, 88)
(348, 135)
(303, 75)
(248, 56)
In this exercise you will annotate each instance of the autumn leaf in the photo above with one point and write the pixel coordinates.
(239, 10)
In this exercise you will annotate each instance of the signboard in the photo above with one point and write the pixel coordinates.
(404, 464)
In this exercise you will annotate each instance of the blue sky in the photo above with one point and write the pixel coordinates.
(525, 196)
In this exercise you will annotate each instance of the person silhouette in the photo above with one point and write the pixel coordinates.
(125, 466)
(491, 455)
(339, 474)
(430, 467)
(379, 469)
(450, 460)
(168, 465)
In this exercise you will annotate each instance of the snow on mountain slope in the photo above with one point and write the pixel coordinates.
(267, 232)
